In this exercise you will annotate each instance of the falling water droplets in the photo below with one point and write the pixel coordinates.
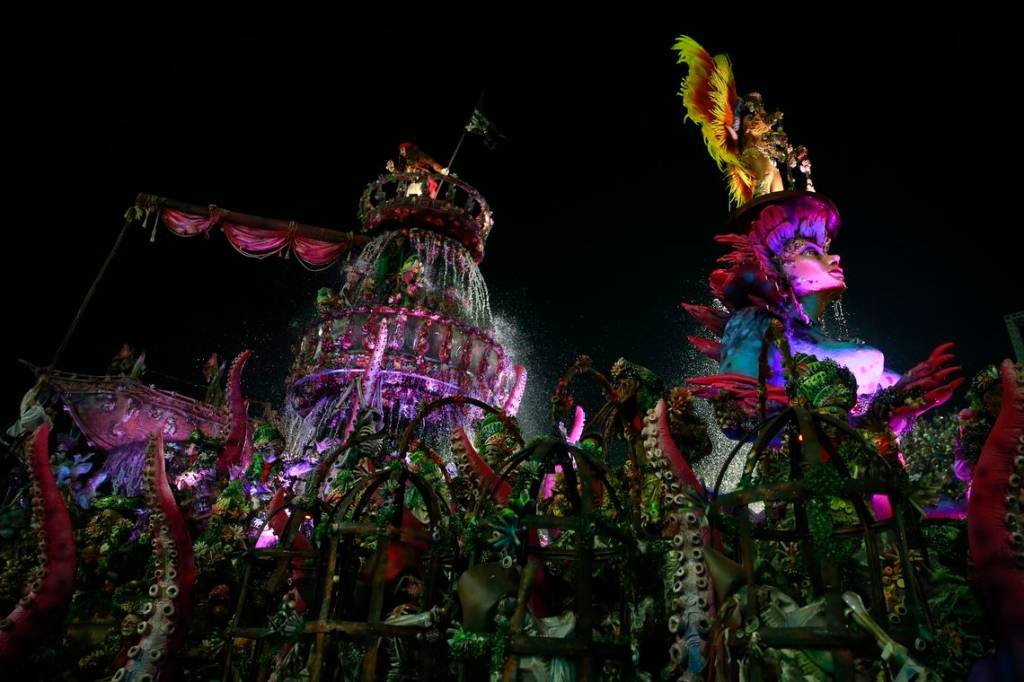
(842, 330)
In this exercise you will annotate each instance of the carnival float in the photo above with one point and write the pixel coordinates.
(391, 521)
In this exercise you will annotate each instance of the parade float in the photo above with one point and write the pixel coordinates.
(390, 520)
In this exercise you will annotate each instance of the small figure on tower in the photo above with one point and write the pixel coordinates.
(413, 160)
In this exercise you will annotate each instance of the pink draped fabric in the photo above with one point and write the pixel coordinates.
(255, 242)
(258, 242)
(186, 224)
(316, 253)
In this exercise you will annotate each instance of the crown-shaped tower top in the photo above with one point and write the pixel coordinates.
(417, 192)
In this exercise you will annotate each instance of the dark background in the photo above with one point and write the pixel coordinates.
(605, 200)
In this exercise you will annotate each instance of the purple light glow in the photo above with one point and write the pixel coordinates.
(881, 506)
(948, 509)
(422, 313)
(380, 345)
(547, 488)
(963, 469)
(266, 539)
(324, 445)
(385, 374)
(298, 469)
(578, 422)
(186, 480)
(865, 362)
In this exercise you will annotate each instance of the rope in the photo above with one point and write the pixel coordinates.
(156, 221)
(92, 290)
(291, 236)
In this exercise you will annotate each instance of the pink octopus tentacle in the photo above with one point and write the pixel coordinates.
(995, 517)
(515, 396)
(579, 422)
(49, 592)
(238, 447)
(691, 605)
(658, 427)
(473, 466)
(167, 616)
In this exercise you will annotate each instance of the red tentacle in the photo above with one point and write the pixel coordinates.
(165, 629)
(471, 464)
(995, 515)
(42, 608)
(238, 447)
(676, 461)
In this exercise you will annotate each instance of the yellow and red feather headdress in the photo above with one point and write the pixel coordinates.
(709, 95)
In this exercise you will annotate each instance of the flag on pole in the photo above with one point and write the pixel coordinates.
(480, 125)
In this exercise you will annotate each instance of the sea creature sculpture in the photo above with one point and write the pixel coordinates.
(238, 447)
(474, 468)
(48, 594)
(690, 599)
(166, 617)
(995, 526)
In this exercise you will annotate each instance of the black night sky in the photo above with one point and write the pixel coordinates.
(605, 201)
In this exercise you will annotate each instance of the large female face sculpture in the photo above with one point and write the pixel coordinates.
(811, 269)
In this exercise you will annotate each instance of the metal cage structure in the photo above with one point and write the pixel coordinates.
(810, 440)
(583, 476)
(358, 583)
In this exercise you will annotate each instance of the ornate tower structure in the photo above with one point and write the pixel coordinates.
(412, 321)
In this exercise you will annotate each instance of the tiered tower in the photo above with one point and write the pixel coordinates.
(412, 321)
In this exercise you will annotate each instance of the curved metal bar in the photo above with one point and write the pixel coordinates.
(251, 545)
(327, 462)
(425, 410)
(583, 365)
(848, 430)
(772, 426)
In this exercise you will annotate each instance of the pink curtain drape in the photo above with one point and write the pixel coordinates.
(258, 242)
(316, 253)
(188, 225)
